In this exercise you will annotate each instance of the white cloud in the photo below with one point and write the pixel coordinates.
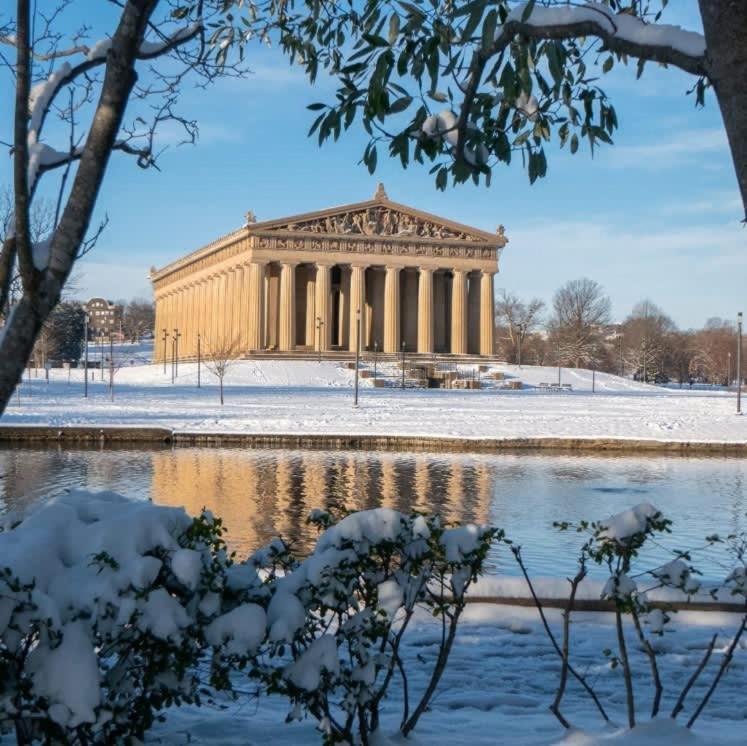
(672, 149)
(111, 280)
(692, 272)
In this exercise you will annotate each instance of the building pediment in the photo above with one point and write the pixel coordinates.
(378, 218)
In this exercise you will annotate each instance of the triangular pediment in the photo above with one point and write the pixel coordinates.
(379, 218)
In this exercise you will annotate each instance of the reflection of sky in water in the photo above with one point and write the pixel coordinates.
(262, 493)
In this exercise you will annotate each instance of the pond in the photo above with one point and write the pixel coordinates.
(264, 493)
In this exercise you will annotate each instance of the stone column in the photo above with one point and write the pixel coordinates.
(391, 310)
(357, 302)
(322, 287)
(238, 333)
(425, 310)
(216, 289)
(287, 335)
(157, 325)
(201, 310)
(487, 314)
(255, 306)
(310, 334)
(459, 312)
(185, 343)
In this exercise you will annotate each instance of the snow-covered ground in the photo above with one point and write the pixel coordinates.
(308, 397)
(500, 680)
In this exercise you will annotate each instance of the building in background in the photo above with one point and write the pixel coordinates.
(302, 283)
(102, 318)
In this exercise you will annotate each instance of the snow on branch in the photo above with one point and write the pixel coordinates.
(622, 33)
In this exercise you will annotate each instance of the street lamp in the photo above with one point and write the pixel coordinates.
(376, 356)
(165, 337)
(85, 355)
(728, 369)
(739, 363)
(319, 326)
(177, 334)
(199, 362)
(404, 347)
(357, 352)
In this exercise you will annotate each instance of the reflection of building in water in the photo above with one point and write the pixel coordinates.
(260, 494)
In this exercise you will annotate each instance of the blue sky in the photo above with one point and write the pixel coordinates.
(656, 215)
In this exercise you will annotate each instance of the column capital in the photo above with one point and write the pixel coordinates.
(359, 265)
(427, 269)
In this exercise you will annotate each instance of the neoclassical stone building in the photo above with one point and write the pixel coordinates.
(303, 282)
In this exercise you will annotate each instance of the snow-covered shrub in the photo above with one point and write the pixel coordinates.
(618, 544)
(104, 608)
(336, 619)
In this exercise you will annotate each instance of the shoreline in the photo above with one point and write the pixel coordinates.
(112, 435)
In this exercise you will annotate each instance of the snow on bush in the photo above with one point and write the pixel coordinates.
(336, 619)
(104, 604)
(618, 544)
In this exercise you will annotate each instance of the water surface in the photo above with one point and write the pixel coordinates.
(264, 493)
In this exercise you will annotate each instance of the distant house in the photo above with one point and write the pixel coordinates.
(102, 318)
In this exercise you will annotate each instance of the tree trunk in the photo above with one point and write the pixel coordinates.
(41, 294)
(725, 26)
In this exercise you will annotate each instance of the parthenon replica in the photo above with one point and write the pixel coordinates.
(407, 279)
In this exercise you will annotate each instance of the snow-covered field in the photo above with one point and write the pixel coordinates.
(500, 680)
(307, 397)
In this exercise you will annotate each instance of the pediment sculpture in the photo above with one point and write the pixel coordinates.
(378, 221)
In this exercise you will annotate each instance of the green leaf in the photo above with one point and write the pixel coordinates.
(528, 8)
(488, 30)
(400, 104)
(316, 107)
(608, 64)
(474, 19)
(442, 179)
(375, 41)
(373, 155)
(393, 28)
(574, 143)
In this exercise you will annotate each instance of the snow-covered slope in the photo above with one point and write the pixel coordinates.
(307, 397)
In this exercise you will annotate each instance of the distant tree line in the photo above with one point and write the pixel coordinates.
(63, 333)
(577, 331)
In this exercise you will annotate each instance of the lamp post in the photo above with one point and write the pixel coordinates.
(199, 364)
(165, 337)
(404, 347)
(85, 355)
(177, 334)
(376, 356)
(319, 325)
(739, 363)
(357, 352)
(728, 369)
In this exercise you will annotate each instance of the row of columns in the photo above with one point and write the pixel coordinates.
(230, 309)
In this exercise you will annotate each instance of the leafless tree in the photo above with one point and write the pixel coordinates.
(711, 347)
(647, 333)
(219, 357)
(41, 219)
(138, 319)
(105, 95)
(581, 312)
(518, 319)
